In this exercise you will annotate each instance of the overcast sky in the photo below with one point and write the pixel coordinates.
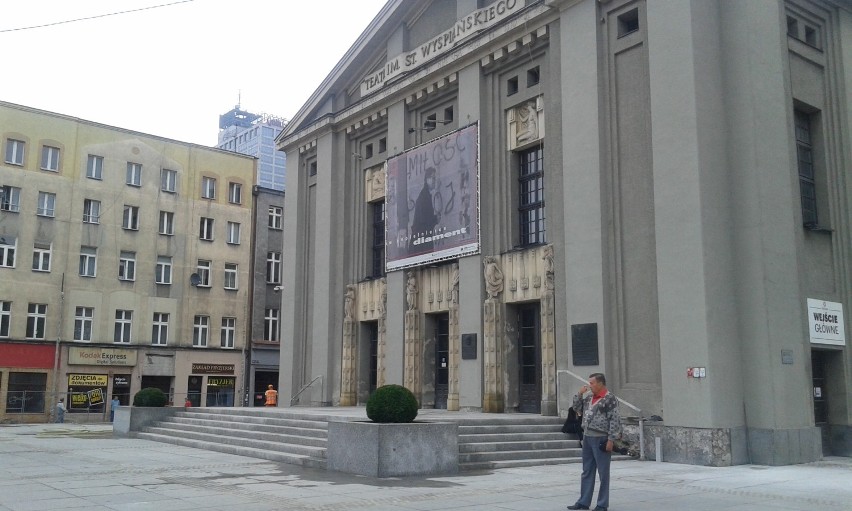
(172, 70)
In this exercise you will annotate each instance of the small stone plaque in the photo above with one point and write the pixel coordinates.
(787, 357)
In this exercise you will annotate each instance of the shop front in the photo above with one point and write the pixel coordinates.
(26, 382)
(94, 376)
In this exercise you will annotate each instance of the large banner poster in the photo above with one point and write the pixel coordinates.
(432, 201)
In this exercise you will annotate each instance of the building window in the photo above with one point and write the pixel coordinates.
(88, 261)
(230, 276)
(228, 333)
(26, 392)
(203, 270)
(50, 158)
(41, 256)
(5, 318)
(270, 325)
(134, 174)
(95, 167)
(127, 266)
(378, 249)
(200, 330)
(160, 329)
(130, 219)
(91, 211)
(83, 320)
(805, 163)
(235, 193)
(275, 215)
(312, 168)
(533, 76)
(208, 188)
(233, 233)
(168, 180)
(206, 229)
(15, 151)
(804, 31)
(36, 320)
(163, 272)
(123, 324)
(167, 223)
(8, 245)
(531, 203)
(46, 204)
(273, 267)
(10, 199)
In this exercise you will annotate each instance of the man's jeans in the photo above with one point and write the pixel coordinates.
(594, 459)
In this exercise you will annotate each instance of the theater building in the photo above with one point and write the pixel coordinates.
(490, 200)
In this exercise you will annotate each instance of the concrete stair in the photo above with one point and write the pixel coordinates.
(486, 441)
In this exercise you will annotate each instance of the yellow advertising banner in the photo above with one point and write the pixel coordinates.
(87, 380)
(96, 396)
(101, 356)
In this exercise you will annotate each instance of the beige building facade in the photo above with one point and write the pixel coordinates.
(126, 262)
(658, 192)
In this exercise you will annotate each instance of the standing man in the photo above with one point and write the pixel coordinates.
(271, 396)
(113, 406)
(60, 411)
(601, 423)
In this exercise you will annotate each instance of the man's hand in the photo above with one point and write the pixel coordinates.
(609, 446)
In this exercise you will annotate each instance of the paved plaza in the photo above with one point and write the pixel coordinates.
(81, 466)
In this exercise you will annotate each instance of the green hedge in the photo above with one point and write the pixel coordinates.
(392, 403)
(150, 397)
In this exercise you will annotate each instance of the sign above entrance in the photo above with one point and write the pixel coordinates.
(479, 19)
(212, 368)
(101, 357)
(825, 322)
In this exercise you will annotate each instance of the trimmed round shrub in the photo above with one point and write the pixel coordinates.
(150, 397)
(392, 403)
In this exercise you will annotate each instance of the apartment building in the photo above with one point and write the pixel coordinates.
(125, 265)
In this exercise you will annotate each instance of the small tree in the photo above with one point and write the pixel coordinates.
(150, 397)
(392, 403)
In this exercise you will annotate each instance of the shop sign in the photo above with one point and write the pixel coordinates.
(825, 322)
(87, 380)
(101, 356)
(120, 381)
(220, 382)
(212, 368)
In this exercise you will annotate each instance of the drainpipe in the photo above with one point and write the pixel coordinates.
(57, 348)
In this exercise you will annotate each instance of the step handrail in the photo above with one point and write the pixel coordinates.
(304, 388)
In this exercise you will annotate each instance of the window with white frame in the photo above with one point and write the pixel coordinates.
(270, 325)
(134, 174)
(5, 318)
(160, 329)
(46, 204)
(275, 215)
(168, 180)
(123, 326)
(127, 265)
(130, 219)
(230, 276)
(91, 211)
(228, 332)
(273, 267)
(208, 188)
(8, 246)
(235, 193)
(15, 151)
(233, 233)
(95, 167)
(88, 261)
(10, 199)
(41, 256)
(203, 270)
(167, 223)
(83, 321)
(200, 331)
(36, 320)
(49, 158)
(163, 272)
(205, 231)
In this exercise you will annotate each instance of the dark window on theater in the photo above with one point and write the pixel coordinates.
(431, 122)
(312, 168)
(383, 145)
(531, 203)
(512, 86)
(533, 76)
(378, 250)
(805, 163)
(368, 151)
(448, 115)
(628, 22)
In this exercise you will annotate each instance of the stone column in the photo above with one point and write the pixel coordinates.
(348, 383)
(382, 340)
(492, 400)
(548, 338)
(454, 343)
(413, 339)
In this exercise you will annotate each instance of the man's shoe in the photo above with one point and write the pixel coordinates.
(578, 506)
(598, 508)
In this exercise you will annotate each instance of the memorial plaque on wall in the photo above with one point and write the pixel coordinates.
(468, 346)
(584, 344)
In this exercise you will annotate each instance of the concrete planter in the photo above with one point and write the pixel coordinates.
(392, 450)
(130, 419)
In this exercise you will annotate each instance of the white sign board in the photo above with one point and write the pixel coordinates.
(825, 322)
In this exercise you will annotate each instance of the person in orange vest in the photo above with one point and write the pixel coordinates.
(271, 396)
